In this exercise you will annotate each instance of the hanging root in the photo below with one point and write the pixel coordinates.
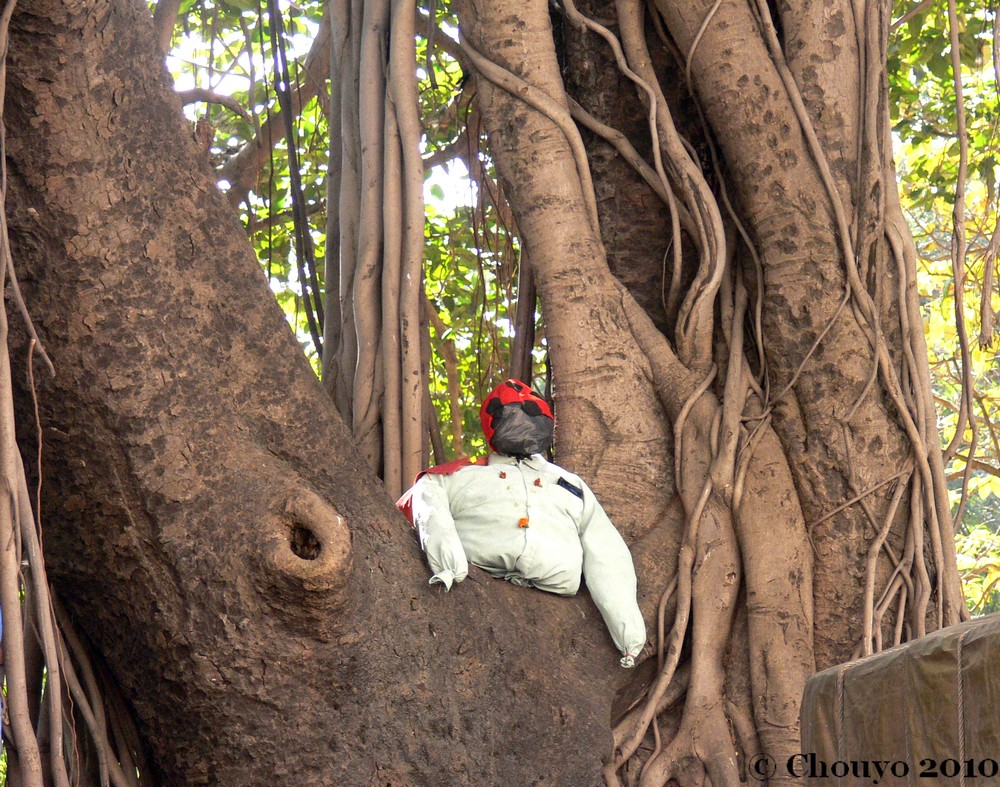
(708, 582)
(773, 557)
(777, 564)
(703, 741)
(710, 447)
(52, 701)
(744, 524)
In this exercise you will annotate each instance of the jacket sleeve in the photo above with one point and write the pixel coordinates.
(610, 575)
(436, 528)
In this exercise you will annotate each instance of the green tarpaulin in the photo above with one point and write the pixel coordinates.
(928, 711)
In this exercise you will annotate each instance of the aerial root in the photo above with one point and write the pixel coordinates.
(696, 756)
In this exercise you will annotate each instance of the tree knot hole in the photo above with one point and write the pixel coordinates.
(309, 543)
(304, 543)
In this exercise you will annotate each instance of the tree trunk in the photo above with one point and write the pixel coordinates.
(747, 394)
(837, 456)
(207, 520)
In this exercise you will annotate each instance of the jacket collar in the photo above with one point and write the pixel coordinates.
(535, 461)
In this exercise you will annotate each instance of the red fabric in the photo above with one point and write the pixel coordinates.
(509, 392)
(405, 503)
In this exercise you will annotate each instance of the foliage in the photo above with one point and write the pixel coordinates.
(472, 252)
(466, 292)
(922, 98)
(225, 47)
(471, 256)
(979, 562)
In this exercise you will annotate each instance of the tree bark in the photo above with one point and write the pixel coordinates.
(208, 522)
(803, 164)
(610, 429)
(217, 536)
(836, 447)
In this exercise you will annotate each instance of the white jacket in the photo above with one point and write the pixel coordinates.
(534, 524)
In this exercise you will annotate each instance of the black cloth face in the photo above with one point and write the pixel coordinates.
(521, 430)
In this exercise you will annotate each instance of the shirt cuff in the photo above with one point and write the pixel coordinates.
(445, 578)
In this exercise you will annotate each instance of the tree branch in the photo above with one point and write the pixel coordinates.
(919, 8)
(542, 102)
(241, 170)
(198, 94)
(164, 20)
